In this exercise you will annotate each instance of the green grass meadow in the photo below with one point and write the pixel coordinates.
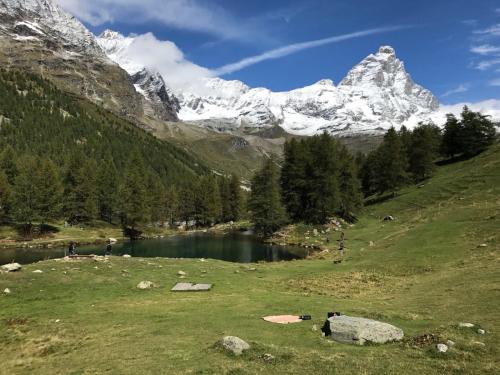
(424, 272)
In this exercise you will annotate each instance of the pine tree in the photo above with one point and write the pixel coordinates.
(235, 198)
(351, 198)
(391, 164)
(208, 203)
(25, 193)
(452, 142)
(5, 195)
(134, 208)
(294, 179)
(171, 204)
(107, 190)
(224, 189)
(423, 151)
(266, 209)
(49, 191)
(478, 132)
(80, 193)
(8, 163)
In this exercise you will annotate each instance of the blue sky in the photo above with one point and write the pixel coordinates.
(451, 47)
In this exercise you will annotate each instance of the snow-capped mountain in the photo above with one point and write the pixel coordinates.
(42, 19)
(38, 36)
(158, 100)
(376, 94)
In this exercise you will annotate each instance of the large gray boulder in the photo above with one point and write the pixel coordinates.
(11, 267)
(234, 344)
(357, 331)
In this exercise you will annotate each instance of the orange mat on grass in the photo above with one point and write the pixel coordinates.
(282, 319)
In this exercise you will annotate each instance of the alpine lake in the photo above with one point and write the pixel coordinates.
(238, 247)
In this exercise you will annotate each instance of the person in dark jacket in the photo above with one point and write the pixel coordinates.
(72, 249)
(109, 248)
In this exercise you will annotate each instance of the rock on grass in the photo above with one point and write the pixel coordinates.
(234, 345)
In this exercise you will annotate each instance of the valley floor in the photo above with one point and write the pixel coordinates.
(436, 265)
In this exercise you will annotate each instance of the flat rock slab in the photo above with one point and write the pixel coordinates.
(11, 267)
(282, 319)
(357, 331)
(190, 287)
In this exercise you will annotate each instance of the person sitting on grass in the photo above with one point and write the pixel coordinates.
(72, 249)
(109, 248)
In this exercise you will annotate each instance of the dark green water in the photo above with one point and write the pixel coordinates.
(237, 247)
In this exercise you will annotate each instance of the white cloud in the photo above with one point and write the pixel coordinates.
(161, 56)
(459, 89)
(193, 15)
(495, 82)
(487, 64)
(485, 49)
(490, 31)
(297, 47)
(489, 107)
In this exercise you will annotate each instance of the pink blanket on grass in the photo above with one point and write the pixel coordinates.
(282, 319)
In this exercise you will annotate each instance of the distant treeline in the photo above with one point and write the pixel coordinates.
(63, 158)
(319, 178)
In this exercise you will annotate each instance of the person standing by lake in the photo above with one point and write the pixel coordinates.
(109, 248)
(72, 249)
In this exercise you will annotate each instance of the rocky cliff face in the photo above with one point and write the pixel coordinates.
(38, 36)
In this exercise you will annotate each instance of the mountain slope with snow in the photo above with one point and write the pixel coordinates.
(38, 36)
(376, 94)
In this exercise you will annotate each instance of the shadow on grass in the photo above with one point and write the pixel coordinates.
(29, 232)
(379, 199)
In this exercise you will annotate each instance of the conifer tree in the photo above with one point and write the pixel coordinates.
(107, 190)
(208, 203)
(423, 151)
(49, 191)
(266, 209)
(134, 208)
(8, 163)
(234, 198)
(5, 195)
(80, 189)
(25, 193)
(452, 142)
(351, 198)
(391, 164)
(171, 204)
(478, 132)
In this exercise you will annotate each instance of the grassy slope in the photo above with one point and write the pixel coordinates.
(423, 273)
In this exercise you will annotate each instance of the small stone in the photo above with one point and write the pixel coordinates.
(252, 269)
(483, 245)
(479, 343)
(450, 343)
(315, 232)
(127, 256)
(465, 325)
(181, 273)
(145, 285)
(389, 218)
(57, 320)
(481, 331)
(7, 291)
(37, 271)
(11, 267)
(372, 243)
(442, 348)
(315, 328)
(267, 357)
(234, 344)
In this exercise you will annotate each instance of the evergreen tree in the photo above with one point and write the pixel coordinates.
(322, 181)
(294, 181)
(134, 207)
(224, 188)
(266, 209)
(49, 191)
(208, 203)
(25, 194)
(478, 132)
(351, 198)
(390, 164)
(234, 199)
(423, 151)
(8, 163)
(5, 195)
(80, 189)
(452, 142)
(187, 202)
(171, 204)
(107, 190)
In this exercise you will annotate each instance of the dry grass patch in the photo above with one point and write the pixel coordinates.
(347, 284)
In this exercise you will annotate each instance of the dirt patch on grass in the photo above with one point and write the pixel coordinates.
(346, 285)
